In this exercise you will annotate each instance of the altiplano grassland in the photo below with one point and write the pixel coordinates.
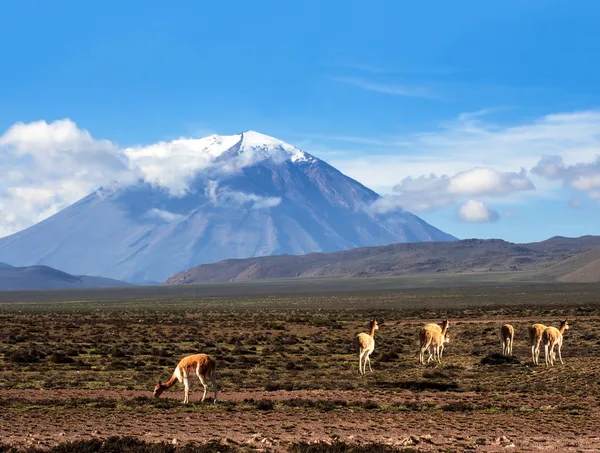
(287, 371)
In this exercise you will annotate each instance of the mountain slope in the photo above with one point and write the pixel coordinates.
(586, 271)
(467, 256)
(258, 197)
(4, 265)
(44, 277)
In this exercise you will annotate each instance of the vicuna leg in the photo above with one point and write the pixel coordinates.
(203, 385)
(422, 355)
(559, 353)
(546, 352)
(361, 362)
(533, 354)
(425, 347)
(186, 390)
(369, 361)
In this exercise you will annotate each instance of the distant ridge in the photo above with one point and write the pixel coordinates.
(555, 259)
(44, 277)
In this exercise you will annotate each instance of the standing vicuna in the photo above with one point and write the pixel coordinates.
(365, 343)
(535, 340)
(202, 365)
(553, 337)
(507, 333)
(432, 336)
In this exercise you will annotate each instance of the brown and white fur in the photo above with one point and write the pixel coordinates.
(365, 344)
(433, 337)
(535, 340)
(553, 337)
(202, 365)
(507, 333)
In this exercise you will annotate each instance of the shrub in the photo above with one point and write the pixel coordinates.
(60, 357)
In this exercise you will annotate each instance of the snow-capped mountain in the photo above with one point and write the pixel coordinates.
(244, 195)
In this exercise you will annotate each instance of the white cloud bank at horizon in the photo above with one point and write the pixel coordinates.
(45, 167)
(428, 193)
(465, 143)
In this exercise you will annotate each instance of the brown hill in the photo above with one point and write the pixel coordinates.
(577, 259)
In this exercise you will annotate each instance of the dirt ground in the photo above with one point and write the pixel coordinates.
(537, 428)
(291, 375)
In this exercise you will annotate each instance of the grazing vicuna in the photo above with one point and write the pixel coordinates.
(365, 344)
(553, 337)
(507, 333)
(432, 336)
(535, 340)
(202, 365)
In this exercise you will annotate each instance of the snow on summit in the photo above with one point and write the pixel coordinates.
(270, 145)
(173, 164)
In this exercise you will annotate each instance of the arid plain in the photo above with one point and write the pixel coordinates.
(287, 370)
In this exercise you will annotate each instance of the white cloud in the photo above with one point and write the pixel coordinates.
(476, 211)
(487, 181)
(167, 216)
(582, 176)
(45, 167)
(392, 89)
(427, 193)
(223, 196)
(470, 141)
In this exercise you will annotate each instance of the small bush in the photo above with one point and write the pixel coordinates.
(274, 386)
(117, 353)
(265, 405)
(388, 356)
(60, 357)
(25, 356)
(499, 359)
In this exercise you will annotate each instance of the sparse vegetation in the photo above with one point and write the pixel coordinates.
(292, 367)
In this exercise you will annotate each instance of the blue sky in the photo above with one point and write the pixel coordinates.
(383, 90)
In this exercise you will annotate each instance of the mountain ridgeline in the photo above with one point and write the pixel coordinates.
(556, 259)
(43, 277)
(259, 197)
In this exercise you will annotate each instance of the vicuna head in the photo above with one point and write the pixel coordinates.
(373, 325)
(158, 389)
(565, 324)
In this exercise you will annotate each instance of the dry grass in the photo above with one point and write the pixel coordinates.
(267, 352)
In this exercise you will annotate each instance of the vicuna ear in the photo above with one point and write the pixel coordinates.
(159, 383)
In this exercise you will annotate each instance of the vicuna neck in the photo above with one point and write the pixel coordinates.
(170, 382)
(372, 330)
(444, 328)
